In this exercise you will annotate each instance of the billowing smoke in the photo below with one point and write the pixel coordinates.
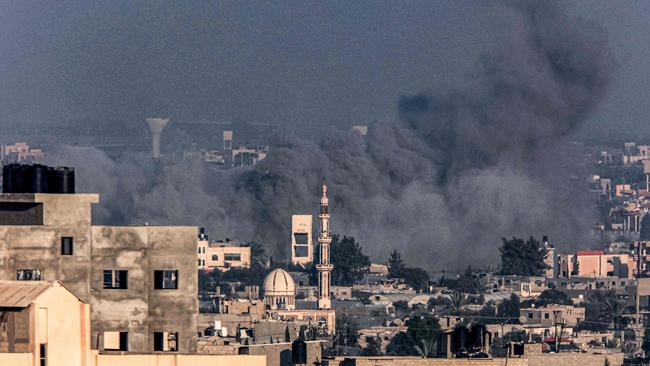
(462, 168)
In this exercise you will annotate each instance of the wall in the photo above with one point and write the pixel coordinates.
(39, 247)
(141, 250)
(418, 361)
(279, 354)
(16, 359)
(179, 360)
(65, 324)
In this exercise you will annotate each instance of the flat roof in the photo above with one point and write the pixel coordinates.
(44, 197)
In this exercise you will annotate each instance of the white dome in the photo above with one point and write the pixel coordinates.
(279, 283)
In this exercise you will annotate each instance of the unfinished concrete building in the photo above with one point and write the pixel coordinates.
(140, 281)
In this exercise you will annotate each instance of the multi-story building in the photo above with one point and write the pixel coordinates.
(548, 320)
(20, 152)
(302, 245)
(595, 264)
(140, 281)
(222, 255)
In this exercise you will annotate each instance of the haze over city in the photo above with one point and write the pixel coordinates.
(327, 179)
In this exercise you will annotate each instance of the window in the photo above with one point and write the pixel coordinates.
(215, 257)
(116, 341)
(165, 341)
(116, 278)
(530, 315)
(301, 238)
(67, 245)
(546, 315)
(43, 354)
(232, 257)
(165, 279)
(301, 250)
(28, 275)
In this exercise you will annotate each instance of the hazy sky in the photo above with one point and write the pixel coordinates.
(294, 62)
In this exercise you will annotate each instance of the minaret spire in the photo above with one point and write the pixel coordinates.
(324, 266)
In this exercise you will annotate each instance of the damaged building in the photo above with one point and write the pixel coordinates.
(140, 281)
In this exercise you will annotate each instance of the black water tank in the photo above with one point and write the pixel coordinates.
(38, 178)
(61, 180)
(20, 179)
(299, 352)
(7, 178)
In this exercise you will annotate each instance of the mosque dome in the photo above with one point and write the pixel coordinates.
(279, 283)
(280, 290)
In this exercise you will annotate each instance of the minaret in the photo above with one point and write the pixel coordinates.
(324, 239)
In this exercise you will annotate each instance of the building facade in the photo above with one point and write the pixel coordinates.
(140, 281)
(302, 244)
(222, 255)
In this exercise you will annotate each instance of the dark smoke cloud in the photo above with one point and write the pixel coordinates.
(462, 168)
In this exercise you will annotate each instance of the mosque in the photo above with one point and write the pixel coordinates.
(280, 289)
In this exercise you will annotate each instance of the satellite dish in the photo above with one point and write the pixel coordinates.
(523, 319)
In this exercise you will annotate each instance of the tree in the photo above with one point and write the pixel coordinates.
(645, 228)
(349, 261)
(420, 338)
(458, 300)
(413, 276)
(469, 282)
(603, 308)
(510, 309)
(395, 265)
(373, 348)
(550, 297)
(416, 277)
(523, 258)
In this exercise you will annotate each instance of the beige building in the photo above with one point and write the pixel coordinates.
(302, 244)
(596, 264)
(43, 323)
(546, 320)
(222, 255)
(140, 281)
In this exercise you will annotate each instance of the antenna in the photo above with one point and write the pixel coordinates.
(156, 125)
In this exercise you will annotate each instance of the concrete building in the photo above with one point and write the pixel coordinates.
(140, 281)
(42, 321)
(302, 244)
(546, 320)
(222, 255)
(20, 152)
(596, 264)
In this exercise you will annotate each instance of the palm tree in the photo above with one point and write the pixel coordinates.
(616, 307)
(425, 349)
(458, 300)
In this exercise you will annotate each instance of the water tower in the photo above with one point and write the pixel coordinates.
(156, 125)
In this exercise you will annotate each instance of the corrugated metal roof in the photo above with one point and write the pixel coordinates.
(19, 294)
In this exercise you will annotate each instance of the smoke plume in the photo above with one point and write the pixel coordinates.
(459, 171)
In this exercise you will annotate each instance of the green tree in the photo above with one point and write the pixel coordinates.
(458, 300)
(415, 277)
(550, 297)
(420, 338)
(523, 258)
(349, 261)
(645, 228)
(373, 348)
(395, 265)
(509, 309)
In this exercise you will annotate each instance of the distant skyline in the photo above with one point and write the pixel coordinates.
(291, 63)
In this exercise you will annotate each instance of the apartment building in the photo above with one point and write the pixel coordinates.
(140, 281)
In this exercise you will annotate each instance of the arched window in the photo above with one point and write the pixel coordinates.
(215, 257)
